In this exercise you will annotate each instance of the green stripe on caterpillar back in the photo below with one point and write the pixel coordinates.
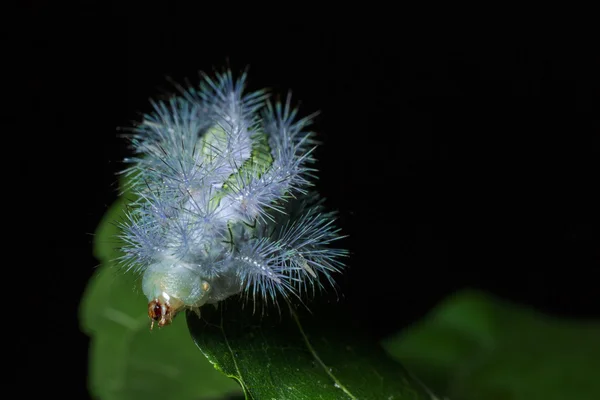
(258, 162)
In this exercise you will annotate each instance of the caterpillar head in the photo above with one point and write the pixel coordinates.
(162, 310)
(170, 288)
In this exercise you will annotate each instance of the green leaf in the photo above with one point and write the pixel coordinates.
(299, 355)
(127, 360)
(271, 357)
(475, 346)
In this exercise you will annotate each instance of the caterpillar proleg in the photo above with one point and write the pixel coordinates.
(224, 204)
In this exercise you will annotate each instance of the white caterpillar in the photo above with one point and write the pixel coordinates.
(223, 206)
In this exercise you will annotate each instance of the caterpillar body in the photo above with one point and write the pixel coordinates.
(224, 204)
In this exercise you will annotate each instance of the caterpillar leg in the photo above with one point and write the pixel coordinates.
(196, 310)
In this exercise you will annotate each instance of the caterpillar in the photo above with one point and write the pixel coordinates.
(224, 202)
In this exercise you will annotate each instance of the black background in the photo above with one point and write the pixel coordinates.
(454, 161)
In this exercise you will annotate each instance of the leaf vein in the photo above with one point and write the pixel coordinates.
(321, 363)
(235, 364)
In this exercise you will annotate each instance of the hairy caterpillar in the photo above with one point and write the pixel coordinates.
(223, 205)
